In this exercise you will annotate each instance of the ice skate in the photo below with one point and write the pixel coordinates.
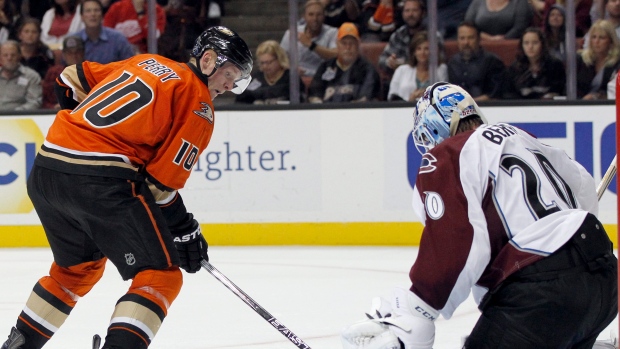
(96, 341)
(16, 339)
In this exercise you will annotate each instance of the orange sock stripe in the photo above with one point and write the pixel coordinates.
(176, 196)
(33, 328)
(150, 213)
(128, 330)
(59, 82)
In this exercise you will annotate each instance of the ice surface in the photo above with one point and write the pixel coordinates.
(314, 291)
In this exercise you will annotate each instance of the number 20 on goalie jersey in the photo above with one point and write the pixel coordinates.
(153, 112)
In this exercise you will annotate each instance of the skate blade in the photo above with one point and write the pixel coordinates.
(96, 341)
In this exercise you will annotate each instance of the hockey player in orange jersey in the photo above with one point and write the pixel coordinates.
(105, 182)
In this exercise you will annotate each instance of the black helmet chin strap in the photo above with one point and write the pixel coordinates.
(212, 72)
(197, 60)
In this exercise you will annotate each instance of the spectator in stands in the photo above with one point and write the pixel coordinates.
(72, 53)
(185, 20)
(378, 20)
(382, 17)
(396, 52)
(597, 63)
(101, 44)
(316, 41)
(411, 79)
(271, 84)
(597, 11)
(348, 77)
(582, 14)
(449, 14)
(535, 74)
(538, 10)
(20, 86)
(479, 72)
(35, 8)
(9, 17)
(500, 19)
(62, 20)
(35, 54)
(130, 17)
(555, 31)
(612, 11)
(340, 11)
(612, 14)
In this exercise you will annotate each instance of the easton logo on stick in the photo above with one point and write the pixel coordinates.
(290, 335)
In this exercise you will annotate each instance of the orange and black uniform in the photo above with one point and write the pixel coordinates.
(104, 186)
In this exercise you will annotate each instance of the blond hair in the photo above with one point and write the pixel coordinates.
(273, 48)
(613, 55)
(314, 2)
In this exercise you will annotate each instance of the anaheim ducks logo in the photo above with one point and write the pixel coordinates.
(205, 112)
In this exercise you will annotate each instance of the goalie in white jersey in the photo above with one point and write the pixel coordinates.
(511, 220)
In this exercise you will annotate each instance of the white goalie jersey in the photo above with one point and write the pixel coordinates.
(493, 201)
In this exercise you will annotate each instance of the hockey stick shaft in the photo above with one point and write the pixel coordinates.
(609, 175)
(257, 308)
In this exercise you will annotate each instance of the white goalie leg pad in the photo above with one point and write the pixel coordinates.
(369, 334)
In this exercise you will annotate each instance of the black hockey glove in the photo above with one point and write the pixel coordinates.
(191, 245)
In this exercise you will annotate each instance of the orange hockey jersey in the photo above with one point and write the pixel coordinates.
(147, 116)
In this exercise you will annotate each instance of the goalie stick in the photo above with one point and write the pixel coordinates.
(257, 308)
(609, 175)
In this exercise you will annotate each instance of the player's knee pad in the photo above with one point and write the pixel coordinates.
(77, 280)
(159, 286)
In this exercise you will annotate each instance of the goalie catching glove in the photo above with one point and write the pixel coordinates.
(191, 246)
(405, 322)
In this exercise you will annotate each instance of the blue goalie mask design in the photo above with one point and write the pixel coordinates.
(437, 114)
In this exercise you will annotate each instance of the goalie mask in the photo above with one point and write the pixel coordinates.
(438, 112)
(229, 47)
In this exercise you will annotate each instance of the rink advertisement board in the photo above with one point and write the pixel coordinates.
(310, 177)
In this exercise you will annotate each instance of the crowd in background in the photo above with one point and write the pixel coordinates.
(335, 38)
(38, 38)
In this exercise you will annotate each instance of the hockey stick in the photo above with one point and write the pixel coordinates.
(257, 308)
(609, 175)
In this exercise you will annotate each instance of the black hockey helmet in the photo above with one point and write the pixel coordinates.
(229, 47)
